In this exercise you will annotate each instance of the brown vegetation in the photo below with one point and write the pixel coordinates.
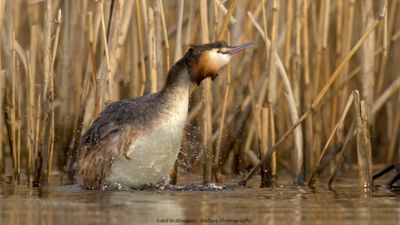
(286, 103)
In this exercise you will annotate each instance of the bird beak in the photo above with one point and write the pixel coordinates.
(235, 49)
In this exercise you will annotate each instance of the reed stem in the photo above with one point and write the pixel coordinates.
(207, 113)
(316, 102)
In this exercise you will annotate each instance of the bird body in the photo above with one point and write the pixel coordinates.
(135, 142)
(156, 151)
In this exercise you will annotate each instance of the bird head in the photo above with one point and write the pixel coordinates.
(207, 59)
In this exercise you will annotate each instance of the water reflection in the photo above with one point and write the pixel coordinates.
(71, 206)
(283, 204)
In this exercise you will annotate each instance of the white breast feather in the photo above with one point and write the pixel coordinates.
(153, 155)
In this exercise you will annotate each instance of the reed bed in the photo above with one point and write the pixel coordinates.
(282, 105)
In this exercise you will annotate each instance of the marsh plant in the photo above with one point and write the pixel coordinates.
(320, 87)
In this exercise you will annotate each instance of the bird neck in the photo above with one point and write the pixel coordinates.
(178, 77)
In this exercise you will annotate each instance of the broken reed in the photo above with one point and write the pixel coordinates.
(58, 73)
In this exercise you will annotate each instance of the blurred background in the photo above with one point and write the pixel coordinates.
(63, 61)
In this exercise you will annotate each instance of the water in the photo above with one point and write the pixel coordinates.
(283, 204)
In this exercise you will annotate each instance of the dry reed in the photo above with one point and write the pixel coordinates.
(57, 74)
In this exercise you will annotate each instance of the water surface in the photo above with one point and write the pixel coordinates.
(283, 204)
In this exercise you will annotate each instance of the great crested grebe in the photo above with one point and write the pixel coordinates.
(136, 141)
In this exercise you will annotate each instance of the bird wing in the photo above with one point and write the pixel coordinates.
(126, 118)
(112, 133)
(126, 139)
(101, 150)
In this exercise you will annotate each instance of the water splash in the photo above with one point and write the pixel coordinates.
(167, 187)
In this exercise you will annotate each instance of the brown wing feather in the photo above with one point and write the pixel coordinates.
(135, 113)
(127, 137)
(94, 166)
(109, 137)
(95, 163)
